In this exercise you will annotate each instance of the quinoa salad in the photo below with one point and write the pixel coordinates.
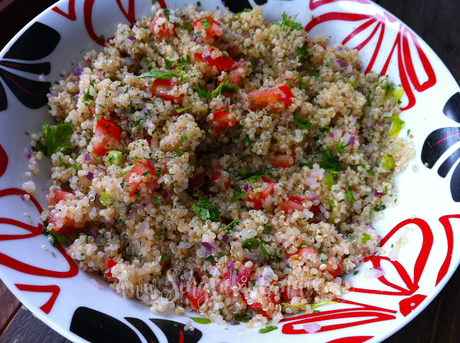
(221, 164)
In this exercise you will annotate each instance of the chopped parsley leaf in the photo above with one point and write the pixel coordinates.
(57, 138)
(205, 210)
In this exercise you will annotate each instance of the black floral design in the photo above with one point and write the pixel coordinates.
(440, 140)
(237, 6)
(36, 43)
(98, 327)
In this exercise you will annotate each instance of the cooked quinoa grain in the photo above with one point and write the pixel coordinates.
(221, 164)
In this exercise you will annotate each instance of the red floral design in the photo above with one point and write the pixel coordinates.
(445, 221)
(408, 75)
(377, 314)
(315, 4)
(71, 15)
(43, 289)
(354, 339)
(3, 161)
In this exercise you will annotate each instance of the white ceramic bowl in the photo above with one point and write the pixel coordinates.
(49, 283)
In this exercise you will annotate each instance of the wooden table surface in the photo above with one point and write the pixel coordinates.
(437, 22)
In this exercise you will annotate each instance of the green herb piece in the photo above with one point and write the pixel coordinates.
(158, 201)
(231, 223)
(125, 172)
(168, 63)
(388, 88)
(200, 320)
(341, 147)
(313, 306)
(249, 242)
(324, 130)
(356, 272)
(353, 83)
(379, 207)
(87, 96)
(301, 308)
(304, 124)
(366, 238)
(330, 203)
(397, 125)
(113, 157)
(179, 153)
(289, 21)
(167, 12)
(209, 259)
(180, 110)
(246, 138)
(371, 171)
(163, 74)
(338, 79)
(225, 86)
(314, 73)
(202, 93)
(56, 237)
(247, 175)
(329, 181)
(389, 162)
(349, 194)
(268, 229)
(184, 60)
(303, 55)
(264, 251)
(247, 10)
(329, 162)
(243, 319)
(268, 329)
(104, 197)
(305, 164)
(164, 256)
(237, 196)
(57, 138)
(205, 210)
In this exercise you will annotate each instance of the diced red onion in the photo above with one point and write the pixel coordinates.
(87, 157)
(257, 66)
(331, 134)
(214, 271)
(234, 278)
(166, 195)
(110, 222)
(144, 110)
(29, 153)
(311, 327)
(23, 198)
(229, 265)
(342, 63)
(225, 239)
(246, 187)
(129, 61)
(132, 38)
(248, 256)
(338, 49)
(233, 321)
(374, 273)
(352, 140)
(90, 176)
(78, 70)
(206, 54)
(378, 194)
(209, 247)
(195, 38)
(152, 38)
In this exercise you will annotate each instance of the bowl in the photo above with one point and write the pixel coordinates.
(83, 308)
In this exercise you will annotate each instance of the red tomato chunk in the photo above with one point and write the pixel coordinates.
(162, 89)
(220, 181)
(161, 29)
(196, 295)
(107, 137)
(143, 172)
(235, 277)
(222, 120)
(207, 29)
(61, 224)
(280, 95)
(221, 63)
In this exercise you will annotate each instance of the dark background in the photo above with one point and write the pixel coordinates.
(437, 22)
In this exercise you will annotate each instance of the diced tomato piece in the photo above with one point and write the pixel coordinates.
(283, 159)
(238, 71)
(107, 137)
(266, 179)
(196, 182)
(258, 198)
(221, 63)
(222, 120)
(61, 224)
(269, 298)
(279, 95)
(220, 181)
(196, 295)
(162, 89)
(235, 277)
(291, 81)
(207, 29)
(234, 51)
(110, 263)
(161, 29)
(296, 203)
(92, 110)
(147, 174)
(333, 271)
(290, 292)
